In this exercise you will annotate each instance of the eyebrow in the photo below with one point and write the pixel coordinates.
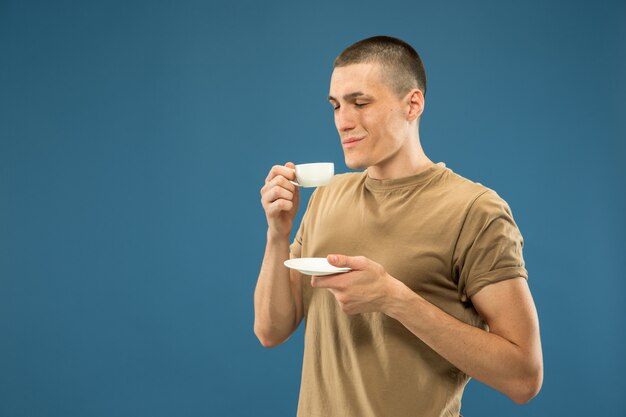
(350, 97)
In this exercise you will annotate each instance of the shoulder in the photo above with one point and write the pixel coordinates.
(482, 207)
(473, 197)
(461, 191)
(462, 184)
(490, 202)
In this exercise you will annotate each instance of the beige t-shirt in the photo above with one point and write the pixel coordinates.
(442, 235)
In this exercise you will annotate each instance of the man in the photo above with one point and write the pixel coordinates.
(438, 289)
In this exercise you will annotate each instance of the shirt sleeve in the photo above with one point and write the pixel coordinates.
(489, 247)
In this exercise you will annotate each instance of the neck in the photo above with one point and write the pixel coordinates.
(409, 160)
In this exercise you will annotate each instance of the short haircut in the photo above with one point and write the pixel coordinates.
(402, 65)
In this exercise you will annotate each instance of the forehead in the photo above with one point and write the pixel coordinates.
(364, 77)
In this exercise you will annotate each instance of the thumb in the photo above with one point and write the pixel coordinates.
(353, 262)
(290, 165)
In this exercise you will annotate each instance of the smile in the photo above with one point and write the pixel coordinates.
(350, 142)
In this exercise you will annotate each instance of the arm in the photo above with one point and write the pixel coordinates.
(507, 358)
(278, 297)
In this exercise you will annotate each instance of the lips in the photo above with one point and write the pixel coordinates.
(349, 142)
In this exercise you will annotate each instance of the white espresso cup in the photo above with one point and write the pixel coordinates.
(315, 175)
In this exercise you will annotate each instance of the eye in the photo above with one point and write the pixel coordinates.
(361, 105)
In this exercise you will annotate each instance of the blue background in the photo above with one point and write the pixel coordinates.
(134, 139)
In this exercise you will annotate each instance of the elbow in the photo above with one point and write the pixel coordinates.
(265, 338)
(527, 388)
(268, 343)
(523, 397)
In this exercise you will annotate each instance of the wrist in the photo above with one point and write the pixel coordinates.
(277, 238)
(399, 299)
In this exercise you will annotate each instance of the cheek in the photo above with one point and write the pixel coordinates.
(374, 121)
(394, 123)
(382, 123)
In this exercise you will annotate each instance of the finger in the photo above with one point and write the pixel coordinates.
(282, 181)
(335, 281)
(278, 206)
(358, 263)
(277, 193)
(272, 190)
(286, 171)
(278, 181)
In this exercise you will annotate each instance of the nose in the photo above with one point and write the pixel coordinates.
(344, 119)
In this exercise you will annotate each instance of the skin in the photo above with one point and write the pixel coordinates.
(384, 130)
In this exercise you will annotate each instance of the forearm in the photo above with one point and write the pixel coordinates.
(485, 356)
(275, 311)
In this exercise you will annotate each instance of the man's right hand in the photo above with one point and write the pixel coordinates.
(280, 200)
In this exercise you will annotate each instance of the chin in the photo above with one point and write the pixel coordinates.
(354, 163)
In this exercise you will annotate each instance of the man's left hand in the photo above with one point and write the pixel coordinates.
(366, 288)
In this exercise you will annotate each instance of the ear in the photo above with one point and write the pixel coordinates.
(416, 104)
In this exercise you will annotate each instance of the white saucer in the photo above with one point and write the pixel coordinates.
(314, 266)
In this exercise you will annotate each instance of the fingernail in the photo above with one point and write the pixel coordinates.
(332, 258)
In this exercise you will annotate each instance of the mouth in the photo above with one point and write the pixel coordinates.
(351, 142)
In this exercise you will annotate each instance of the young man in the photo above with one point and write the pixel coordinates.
(438, 289)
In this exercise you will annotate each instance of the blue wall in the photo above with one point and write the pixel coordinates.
(134, 139)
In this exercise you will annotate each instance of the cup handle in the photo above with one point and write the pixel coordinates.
(295, 183)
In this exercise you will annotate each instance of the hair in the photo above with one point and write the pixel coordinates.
(402, 66)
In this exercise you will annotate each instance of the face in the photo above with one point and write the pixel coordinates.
(374, 124)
